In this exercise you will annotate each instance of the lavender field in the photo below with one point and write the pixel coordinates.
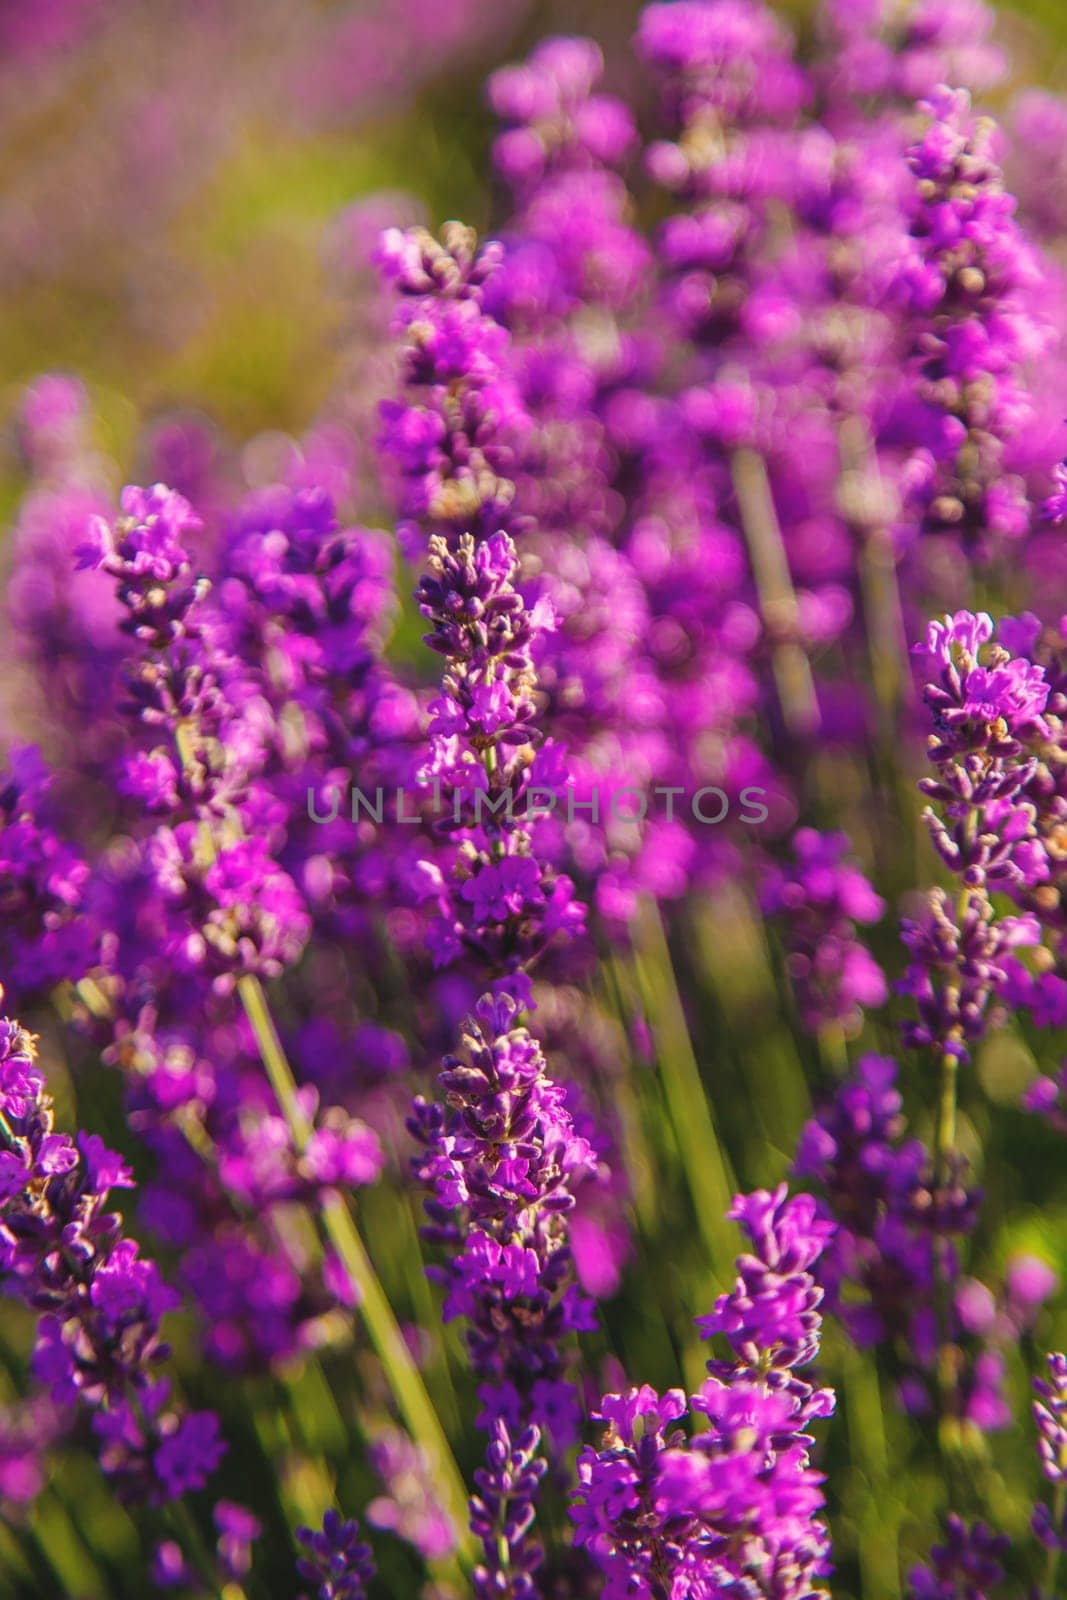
(533, 800)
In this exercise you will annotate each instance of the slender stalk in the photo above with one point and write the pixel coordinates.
(731, 943)
(867, 505)
(945, 1127)
(945, 1136)
(875, 1513)
(833, 1047)
(777, 598)
(405, 1380)
(944, 1152)
(637, 1157)
(944, 1147)
(711, 1183)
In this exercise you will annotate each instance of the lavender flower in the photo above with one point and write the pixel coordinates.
(973, 289)
(336, 1560)
(454, 444)
(502, 1513)
(1049, 1414)
(738, 1503)
(968, 1563)
(820, 900)
(499, 1160)
(614, 1511)
(305, 606)
(46, 936)
(211, 904)
(1035, 819)
(986, 703)
(892, 1271)
(498, 1164)
(771, 1315)
(498, 901)
(99, 1301)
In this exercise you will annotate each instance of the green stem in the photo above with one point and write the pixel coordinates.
(833, 1048)
(638, 1162)
(869, 507)
(774, 586)
(944, 1151)
(944, 1146)
(711, 1184)
(404, 1378)
(876, 1514)
(945, 1136)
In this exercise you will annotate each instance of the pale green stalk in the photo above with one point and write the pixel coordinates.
(866, 502)
(878, 1523)
(405, 1380)
(731, 942)
(777, 597)
(711, 1183)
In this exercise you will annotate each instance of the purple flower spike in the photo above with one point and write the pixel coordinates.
(819, 901)
(969, 1564)
(771, 1316)
(100, 1303)
(499, 1164)
(502, 1513)
(337, 1561)
(659, 1512)
(455, 439)
(1050, 1414)
(970, 288)
(987, 705)
(1049, 1523)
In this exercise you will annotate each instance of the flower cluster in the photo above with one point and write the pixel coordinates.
(305, 606)
(498, 900)
(99, 1300)
(759, 368)
(973, 289)
(202, 901)
(1050, 1415)
(892, 1260)
(230, 908)
(970, 1562)
(335, 1559)
(43, 938)
(819, 902)
(986, 705)
(502, 1513)
(498, 1163)
(737, 1504)
(1041, 984)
